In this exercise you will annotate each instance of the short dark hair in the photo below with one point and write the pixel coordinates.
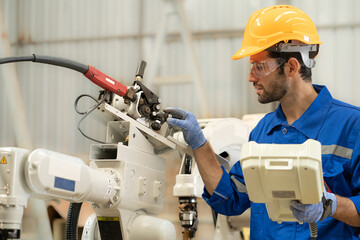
(305, 72)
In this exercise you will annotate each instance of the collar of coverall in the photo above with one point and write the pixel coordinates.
(311, 120)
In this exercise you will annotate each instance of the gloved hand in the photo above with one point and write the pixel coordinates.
(188, 123)
(312, 213)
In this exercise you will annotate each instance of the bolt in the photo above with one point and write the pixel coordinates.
(156, 125)
(147, 110)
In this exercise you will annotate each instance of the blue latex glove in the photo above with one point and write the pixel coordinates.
(312, 213)
(188, 123)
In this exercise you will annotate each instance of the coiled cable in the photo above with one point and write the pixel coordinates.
(313, 231)
(72, 221)
(87, 112)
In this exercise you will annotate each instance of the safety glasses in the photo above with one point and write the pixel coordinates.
(263, 68)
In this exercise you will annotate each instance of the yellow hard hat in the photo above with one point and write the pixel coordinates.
(272, 25)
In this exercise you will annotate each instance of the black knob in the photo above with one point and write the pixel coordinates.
(141, 69)
(156, 126)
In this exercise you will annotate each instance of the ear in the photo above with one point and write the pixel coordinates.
(293, 67)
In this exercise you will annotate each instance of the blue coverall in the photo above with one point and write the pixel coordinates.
(336, 125)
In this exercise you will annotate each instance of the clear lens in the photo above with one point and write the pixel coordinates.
(264, 68)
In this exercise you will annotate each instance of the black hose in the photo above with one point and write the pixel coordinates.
(313, 231)
(62, 62)
(72, 221)
(17, 59)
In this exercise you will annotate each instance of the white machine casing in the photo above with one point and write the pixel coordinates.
(140, 172)
(14, 192)
(227, 135)
(50, 173)
(275, 174)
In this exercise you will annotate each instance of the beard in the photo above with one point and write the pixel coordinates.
(275, 91)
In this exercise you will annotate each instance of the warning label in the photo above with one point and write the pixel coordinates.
(3, 161)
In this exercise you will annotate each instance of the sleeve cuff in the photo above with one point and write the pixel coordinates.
(222, 192)
(356, 201)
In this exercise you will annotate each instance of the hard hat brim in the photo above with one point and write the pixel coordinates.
(246, 52)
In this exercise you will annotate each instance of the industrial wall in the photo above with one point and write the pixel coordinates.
(114, 35)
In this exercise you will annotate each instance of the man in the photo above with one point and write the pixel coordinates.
(282, 42)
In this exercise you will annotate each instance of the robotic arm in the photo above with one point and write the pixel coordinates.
(48, 174)
(125, 180)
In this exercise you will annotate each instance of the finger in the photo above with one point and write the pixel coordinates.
(297, 205)
(176, 122)
(297, 214)
(176, 112)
